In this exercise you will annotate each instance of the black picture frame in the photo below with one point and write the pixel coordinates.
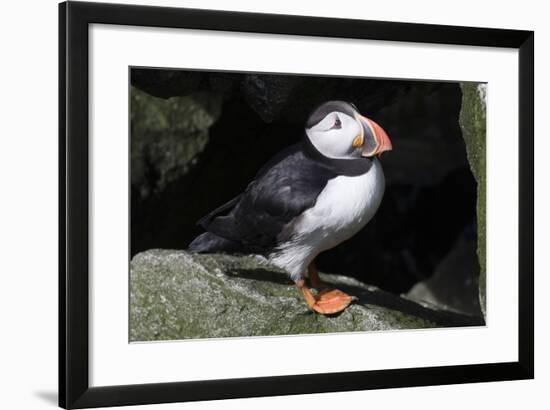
(74, 388)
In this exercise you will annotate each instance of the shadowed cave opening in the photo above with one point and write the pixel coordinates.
(198, 138)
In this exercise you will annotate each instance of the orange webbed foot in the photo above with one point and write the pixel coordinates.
(327, 301)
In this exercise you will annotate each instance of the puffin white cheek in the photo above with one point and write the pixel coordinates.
(339, 143)
(326, 142)
(354, 131)
(349, 134)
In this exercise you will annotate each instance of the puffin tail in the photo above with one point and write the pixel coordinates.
(209, 242)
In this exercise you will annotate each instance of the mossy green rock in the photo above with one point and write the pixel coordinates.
(178, 295)
(473, 124)
(167, 135)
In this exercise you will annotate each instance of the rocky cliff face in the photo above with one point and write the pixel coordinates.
(198, 138)
(473, 123)
(177, 295)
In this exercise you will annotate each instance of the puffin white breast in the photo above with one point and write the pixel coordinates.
(342, 208)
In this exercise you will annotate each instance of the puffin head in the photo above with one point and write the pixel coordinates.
(337, 130)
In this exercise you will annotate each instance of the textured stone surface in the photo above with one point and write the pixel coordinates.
(177, 295)
(473, 124)
(167, 135)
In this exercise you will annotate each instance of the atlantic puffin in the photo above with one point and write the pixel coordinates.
(308, 198)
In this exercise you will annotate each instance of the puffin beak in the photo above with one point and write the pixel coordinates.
(373, 139)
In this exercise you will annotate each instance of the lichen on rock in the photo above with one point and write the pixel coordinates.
(473, 125)
(178, 295)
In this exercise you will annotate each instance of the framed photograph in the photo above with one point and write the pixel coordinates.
(256, 204)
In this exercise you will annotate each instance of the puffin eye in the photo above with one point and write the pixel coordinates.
(337, 124)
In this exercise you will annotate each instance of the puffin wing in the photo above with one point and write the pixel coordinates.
(283, 189)
(225, 208)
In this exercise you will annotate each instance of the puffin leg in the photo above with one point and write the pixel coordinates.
(325, 302)
(314, 278)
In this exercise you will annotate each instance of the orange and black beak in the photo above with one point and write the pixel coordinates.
(372, 139)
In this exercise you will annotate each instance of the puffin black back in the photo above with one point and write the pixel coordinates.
(241, 192)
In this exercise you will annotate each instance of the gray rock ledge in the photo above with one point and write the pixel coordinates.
(178, 295)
